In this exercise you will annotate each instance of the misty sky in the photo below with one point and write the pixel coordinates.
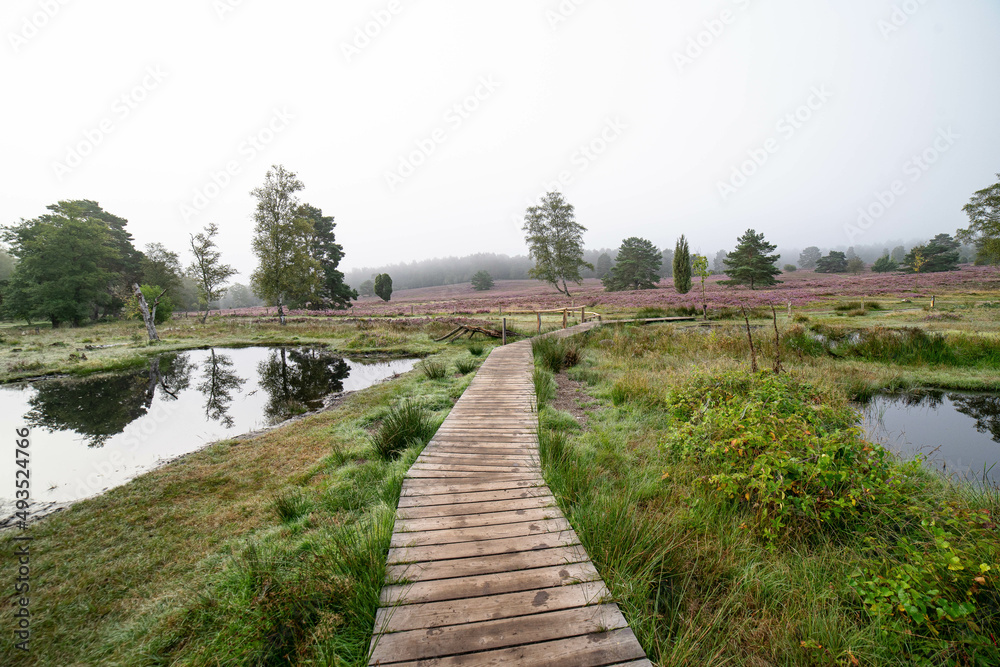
(432, 135)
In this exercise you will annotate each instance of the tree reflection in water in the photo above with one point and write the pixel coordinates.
(101, 407)
(219, 383)
(296, 380)
(984, 408)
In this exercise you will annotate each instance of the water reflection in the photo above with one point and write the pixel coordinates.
(92, 434)
(297, 380)
(957, 432)
(220, 381)
(98, 408)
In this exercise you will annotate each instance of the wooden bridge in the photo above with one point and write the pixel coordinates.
(483, 568)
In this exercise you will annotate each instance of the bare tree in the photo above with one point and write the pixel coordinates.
(208, 270)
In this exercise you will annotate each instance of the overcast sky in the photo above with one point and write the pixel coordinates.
(427, 126)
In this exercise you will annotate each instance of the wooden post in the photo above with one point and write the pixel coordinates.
(583, 314)
(504, 333)
(539, 322)
(411, 311)
(501, 311)
(932, 302)
(565, 317)
(789, 310)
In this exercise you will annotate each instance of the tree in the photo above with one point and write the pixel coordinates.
(983, 231)
(682, 266)
(383, 286)
(939, 254)
(790, 268)
(898, 254)
(809, 257)
(851, 254)
(7, 264)
(286, 272)
(885, 264)
(835, 262)
(555, 242)
(699, 265)
(65, 268)
(668, 262)
(332, 292)
(636, 268)
(367, 288)
(207, 268)
(147, 307)
(161, 267)
(750, 264)
(856, 265)
(603, 265)
(719, 263)
(482, 281)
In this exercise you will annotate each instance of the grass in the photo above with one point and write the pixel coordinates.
(407, 425)
(740, 519)
(554, 353)
(466, 365)
(265, 550)
(432, 370)
(27, 352)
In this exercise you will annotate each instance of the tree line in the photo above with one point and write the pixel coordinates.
(78, 263)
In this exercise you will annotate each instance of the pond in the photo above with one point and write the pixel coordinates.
(95, 433)
(957, 432)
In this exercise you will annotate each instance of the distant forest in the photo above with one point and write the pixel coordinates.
(457, 270)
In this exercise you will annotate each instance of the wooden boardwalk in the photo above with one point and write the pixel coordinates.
(483, 568)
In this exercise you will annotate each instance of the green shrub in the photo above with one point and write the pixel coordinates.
(432, 369)
(476, 348)
(407, 424)
(649, 313)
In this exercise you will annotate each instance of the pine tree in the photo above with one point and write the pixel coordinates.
(682, 266)
(482, 281)
(885, 264)
(835, 262)
(750, 264)
(637, 266)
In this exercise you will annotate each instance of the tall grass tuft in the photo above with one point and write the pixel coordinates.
(554, 353)
(466, 366)
(476, 348)
(406, 424)
(545, 385)
(432, 369)
(290, 504)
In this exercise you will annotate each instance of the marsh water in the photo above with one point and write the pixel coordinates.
(91, 434)
(957, 432)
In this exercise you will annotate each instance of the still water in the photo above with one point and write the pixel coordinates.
(89, 435)
(958, 433)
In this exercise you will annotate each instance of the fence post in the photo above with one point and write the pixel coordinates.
(539, 322)
(504, 333)
(565, 317)
(583, 314)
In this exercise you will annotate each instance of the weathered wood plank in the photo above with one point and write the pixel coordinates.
(563, 538)
(473, 520)
(475, 508)
(425, 487)
(507, 605)
(474, 497)
(488, 584)
(523, 529)
(486, 635)
(467, 567)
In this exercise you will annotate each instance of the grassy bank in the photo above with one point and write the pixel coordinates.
(741, 519)
(262, 551)
(27, 352)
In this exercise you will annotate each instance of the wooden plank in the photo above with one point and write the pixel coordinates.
(522, 529)
(488, 584)
(455, 467)
(473, 520)
(473, 497)
(468, 567)
(508, 605)
(501, 633)
(427, 487)
(563, 538)
(474, 508)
